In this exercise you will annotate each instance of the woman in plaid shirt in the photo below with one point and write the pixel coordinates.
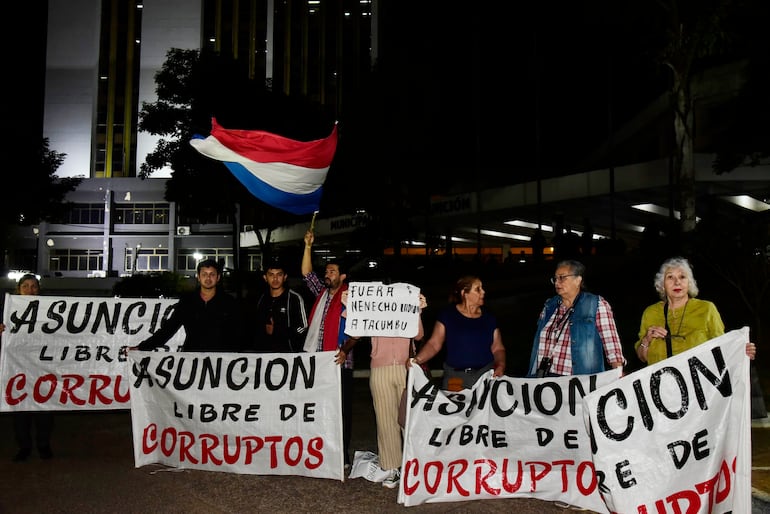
(576, 333)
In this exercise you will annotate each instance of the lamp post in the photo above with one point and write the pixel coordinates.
(136, 257)
(36, 231)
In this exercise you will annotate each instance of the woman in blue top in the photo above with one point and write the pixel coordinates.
(472, 337)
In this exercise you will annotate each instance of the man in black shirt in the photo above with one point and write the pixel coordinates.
(211, 318)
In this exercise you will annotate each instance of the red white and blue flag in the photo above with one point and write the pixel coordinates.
(282, 172)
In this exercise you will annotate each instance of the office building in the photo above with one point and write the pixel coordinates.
(100, 67)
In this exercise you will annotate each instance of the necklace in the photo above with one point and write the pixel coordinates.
(681, 320)
(557, 326)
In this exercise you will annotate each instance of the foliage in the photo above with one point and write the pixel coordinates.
(194, 86)
(736, 256)
(199, 185)
(693, 33)
(40, 198)
(746, 139)
(687, 37)
(379, 170)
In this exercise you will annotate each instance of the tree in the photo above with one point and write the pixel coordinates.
(48, 190)
(193, 86)
(694, 32)
(691, 36)
(701, 34)
(746, 139)
(41, 195)
(198, 184)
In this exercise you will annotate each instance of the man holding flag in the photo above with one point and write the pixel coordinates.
(289, 174)
(326, 329)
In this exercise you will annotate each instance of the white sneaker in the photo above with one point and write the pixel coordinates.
(393, 478)
(568, 506)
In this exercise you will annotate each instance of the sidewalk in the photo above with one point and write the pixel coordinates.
(93, 472)
(760, 461)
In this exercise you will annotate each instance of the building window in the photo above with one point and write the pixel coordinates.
(118, 92)
(187, 258)
(214, 218)
(254, 262)
(82, 214)
(75, 260)
(142, 213)
(146, 260)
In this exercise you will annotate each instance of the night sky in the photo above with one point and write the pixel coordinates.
(24, 65)
(482, 92)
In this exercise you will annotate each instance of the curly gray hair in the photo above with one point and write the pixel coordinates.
(675, 263)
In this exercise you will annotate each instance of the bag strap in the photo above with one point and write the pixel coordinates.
(669, 351)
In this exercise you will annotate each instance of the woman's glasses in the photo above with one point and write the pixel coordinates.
(560, 278)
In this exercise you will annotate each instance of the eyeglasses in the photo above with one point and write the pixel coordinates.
(560, 278)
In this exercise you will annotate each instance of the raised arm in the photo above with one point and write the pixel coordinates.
(307, 256)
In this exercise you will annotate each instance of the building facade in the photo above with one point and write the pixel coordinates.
(101, 62)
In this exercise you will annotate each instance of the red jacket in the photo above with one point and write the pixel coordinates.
(332, 321)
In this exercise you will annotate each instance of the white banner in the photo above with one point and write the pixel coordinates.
(260, 414)
(62, 353)
(505, 437)
(675, 437)
(377, 309)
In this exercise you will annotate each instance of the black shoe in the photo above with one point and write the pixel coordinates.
(45, 452)
(21, 455)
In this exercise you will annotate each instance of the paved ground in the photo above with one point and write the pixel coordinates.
(93, 472)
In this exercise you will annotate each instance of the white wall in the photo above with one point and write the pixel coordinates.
(166, 24)
(72, 71)
(71, 81)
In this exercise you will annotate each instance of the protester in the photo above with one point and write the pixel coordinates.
(471, 334)
(576, 332)
(211, 318)
(24, 421)
(679, 321)
(326, 329)
(387, 380)
(280, 315)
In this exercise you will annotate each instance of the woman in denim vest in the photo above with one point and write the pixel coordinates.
(576, 332)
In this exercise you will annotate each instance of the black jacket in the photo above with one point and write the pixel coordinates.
(289, 315)
(213, 326)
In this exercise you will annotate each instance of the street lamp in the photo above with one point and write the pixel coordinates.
(36, 231)
(136, 257)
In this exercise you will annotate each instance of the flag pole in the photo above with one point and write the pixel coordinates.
(312, 222)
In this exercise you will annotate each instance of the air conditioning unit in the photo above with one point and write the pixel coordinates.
(183, 231)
